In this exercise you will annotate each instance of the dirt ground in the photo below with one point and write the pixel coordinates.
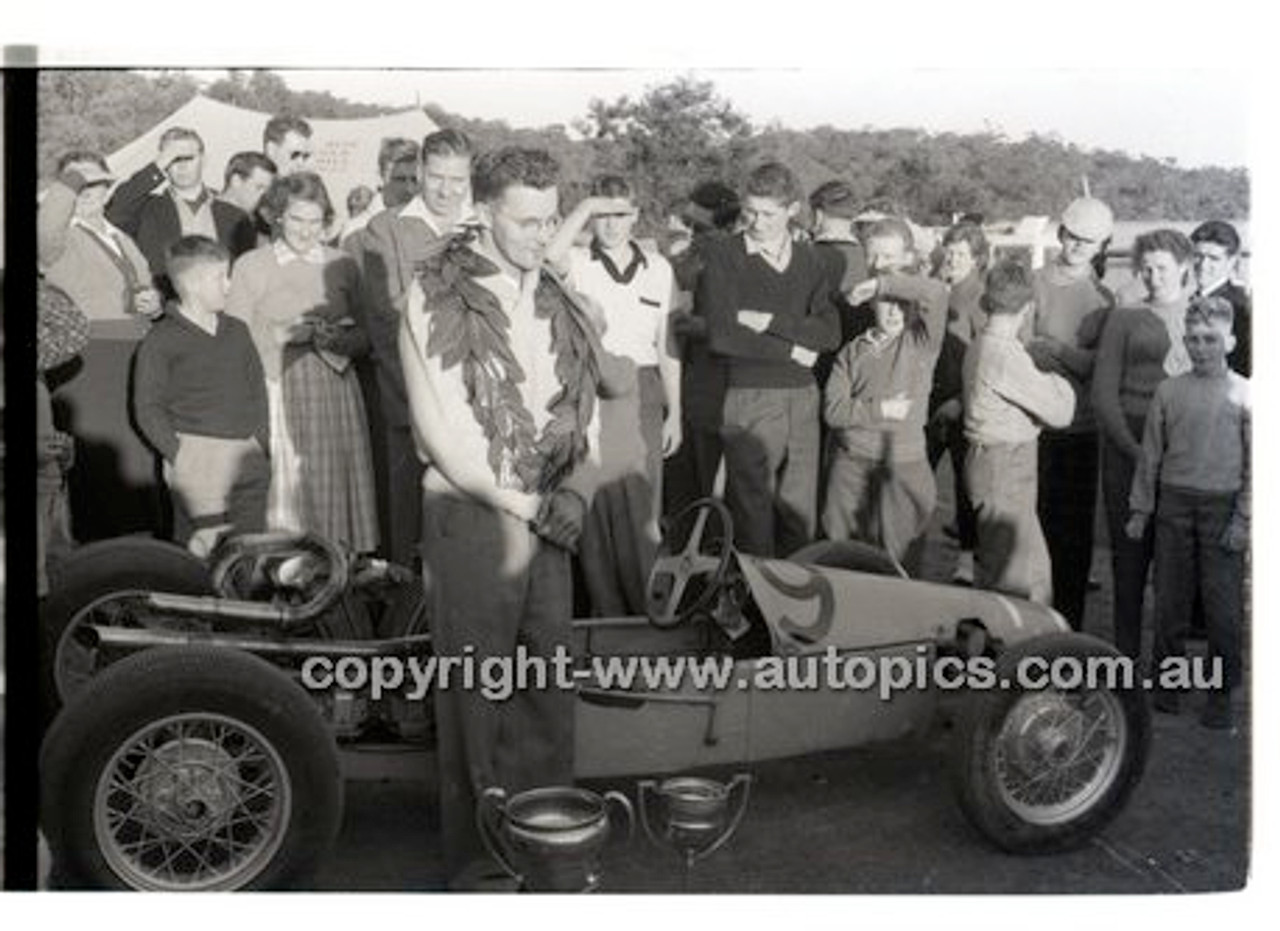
(872, 820)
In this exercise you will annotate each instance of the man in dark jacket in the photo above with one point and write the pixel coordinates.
(1217, 247)
(158, 217)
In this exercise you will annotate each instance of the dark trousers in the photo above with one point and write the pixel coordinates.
(1130, 559)
(947, 437)
(397, 474)
(1190, 558)
(492, 585)
(690, 474)
(771, 459)
(1067, 496)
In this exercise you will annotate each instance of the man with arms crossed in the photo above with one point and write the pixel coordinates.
(502, 375)
(769, 315)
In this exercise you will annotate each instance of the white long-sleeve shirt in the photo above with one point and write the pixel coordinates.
(449, 439)
(1006, 398)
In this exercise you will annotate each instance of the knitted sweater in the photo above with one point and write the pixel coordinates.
(1073, 311)
(188, 380)
(798, 299)
(867, 372)
(270, 296)
(1197, 438)
(1129, 365)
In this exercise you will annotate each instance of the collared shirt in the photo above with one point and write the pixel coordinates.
(439, 405)
(108, 233)
(286, 253)
(195, 217)
(416, 209)
(778, 259)
(361, 220)
(635, 301)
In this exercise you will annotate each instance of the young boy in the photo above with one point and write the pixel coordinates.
(1006, 402)
(769, 314)
(200, 399)
(1194, 475)
(880, 488)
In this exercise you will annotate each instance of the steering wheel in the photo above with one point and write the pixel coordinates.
(703, 559)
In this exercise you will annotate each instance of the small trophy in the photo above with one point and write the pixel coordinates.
(549, 839)
(692, 815)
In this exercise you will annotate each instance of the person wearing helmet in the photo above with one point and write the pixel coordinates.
(1071, 305)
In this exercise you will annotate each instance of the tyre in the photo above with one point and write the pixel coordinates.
(189, 768)
(85, 593)
(1041, 771)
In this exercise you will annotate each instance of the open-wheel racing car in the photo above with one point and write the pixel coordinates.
(183, 752)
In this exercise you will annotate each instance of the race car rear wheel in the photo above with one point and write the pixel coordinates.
(1043, 770)
(102, 583)
(189, 769)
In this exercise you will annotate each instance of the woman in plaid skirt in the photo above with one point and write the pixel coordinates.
(300, 300)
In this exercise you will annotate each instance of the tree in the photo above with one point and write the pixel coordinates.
(676, 135)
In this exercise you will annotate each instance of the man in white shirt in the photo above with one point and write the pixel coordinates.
(389, 249)
(502, 373)
(632, 286)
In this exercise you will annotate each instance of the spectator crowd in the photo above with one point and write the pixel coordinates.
(464, 373)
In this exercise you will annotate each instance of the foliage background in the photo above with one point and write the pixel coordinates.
(682, 132)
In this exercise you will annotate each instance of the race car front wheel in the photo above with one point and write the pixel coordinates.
(189, 769)
(1040, 770)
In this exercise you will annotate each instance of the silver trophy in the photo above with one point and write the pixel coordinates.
(693, 815)
(550, 839)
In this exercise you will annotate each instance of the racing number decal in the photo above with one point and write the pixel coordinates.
(816, 586)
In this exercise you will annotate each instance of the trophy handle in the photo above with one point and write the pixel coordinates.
(643, 786)
(489, 813)
(743, 780)
(624, 804)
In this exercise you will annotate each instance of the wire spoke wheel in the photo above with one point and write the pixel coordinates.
(1057, 753)
(192, 802)
(1045, 770)
(189, 768)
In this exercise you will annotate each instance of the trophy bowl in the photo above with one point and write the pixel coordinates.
(549, 839)
(692, 815)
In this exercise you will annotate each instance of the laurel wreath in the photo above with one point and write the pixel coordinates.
(469, 328)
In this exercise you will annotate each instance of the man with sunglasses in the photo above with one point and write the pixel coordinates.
(168, 199)
(286, 140)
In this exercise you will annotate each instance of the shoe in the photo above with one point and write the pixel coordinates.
(1217, 711)
(963, 574)
(1166, 702)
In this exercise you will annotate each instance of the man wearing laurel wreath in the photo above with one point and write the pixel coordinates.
(502, 372)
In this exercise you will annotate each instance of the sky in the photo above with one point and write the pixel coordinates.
(1141, 112)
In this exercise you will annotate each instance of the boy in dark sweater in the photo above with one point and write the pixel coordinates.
(769, 314)
(200, 400)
